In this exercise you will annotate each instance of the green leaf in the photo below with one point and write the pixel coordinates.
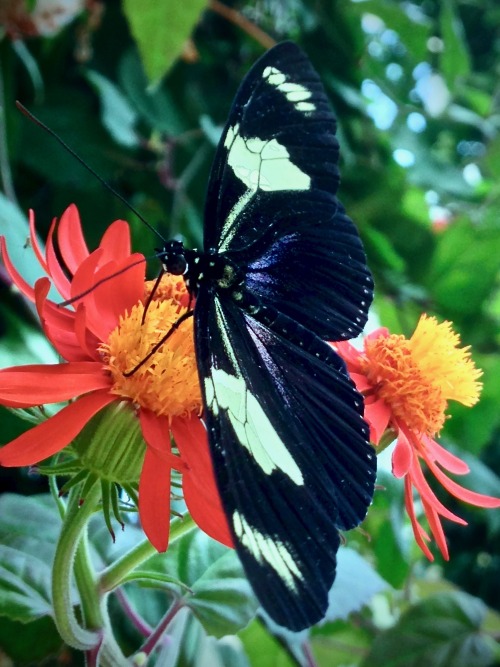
(413, 28)
(24, 585)
(220, 595)
(458, 288)
(157, 107)
(455, 59)
(118, 117)
(472, 428)
(222, 598)
(262, 649)
(29, 643)
(22, 344)
(355, 585)
(340, 644)
(28, 532)
(442, 631)
(190, 646)
(161, 30)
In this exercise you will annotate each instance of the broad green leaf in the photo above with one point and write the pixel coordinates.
(189, 646)
(29, 643)
(28, 531)
(355, 585)
(340, 644)
(161, 30)
(24, 585)
(455, 59)
(262, 649)
(117, 115)
(473, 428)
(220, 597)
(413, 28)
(454, 281)
(157, 107)
(22, 344)
(31, 520)
(442, 631)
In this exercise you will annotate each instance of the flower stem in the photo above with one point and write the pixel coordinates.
(85, 580)
(73, 528)
(116, 573)
(158, 632)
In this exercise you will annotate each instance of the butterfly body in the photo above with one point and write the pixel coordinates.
(282, 272)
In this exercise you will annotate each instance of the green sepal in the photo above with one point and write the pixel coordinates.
(111, 445)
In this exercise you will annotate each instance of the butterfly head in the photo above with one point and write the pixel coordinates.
(173, 258)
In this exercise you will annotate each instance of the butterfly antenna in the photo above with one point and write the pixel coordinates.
(101, 180)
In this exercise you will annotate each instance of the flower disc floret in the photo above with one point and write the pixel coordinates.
(167, 382)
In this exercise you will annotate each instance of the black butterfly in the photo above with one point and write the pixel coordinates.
(282, 271)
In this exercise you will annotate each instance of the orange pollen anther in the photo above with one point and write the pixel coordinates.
(417, 377)
(167, 383)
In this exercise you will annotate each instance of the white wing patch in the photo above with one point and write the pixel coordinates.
(263, 164)
(251, 425)
(295, 93)
(267, 550)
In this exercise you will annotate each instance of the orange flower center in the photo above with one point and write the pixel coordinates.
(167, 382)
(417, 377)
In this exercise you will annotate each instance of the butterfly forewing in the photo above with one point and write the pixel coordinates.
(289, 445)
(272, 204)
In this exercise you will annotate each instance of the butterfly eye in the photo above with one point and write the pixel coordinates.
(176, 265)
(173, 258)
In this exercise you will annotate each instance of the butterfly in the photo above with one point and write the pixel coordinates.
(281, 272)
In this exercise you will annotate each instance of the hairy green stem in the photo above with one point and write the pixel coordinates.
(73, 527)
(116, 573)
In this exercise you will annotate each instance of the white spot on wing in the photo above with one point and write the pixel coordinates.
(226, 391)
(295, 93)
(263, 164)
(265, 549)
(250, 423)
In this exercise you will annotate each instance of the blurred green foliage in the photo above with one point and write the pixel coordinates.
(415, 88)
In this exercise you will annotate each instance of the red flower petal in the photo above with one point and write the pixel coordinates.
(402, 456)
(70, 239)
(378, 415)
(59, 278)
(381, 332)
(427, 494)
(38, 384)
(118, 294)
(154, 499)
(198, 482)
(418, 531)
(445, 458)
(477, 499)
(436, 528)
(349, 354)
(156, 433)
(34, 242)
(51, 436)
(57, 323)
(115, 242)
(84, 277)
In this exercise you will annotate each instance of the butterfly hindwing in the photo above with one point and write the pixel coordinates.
(290, 455)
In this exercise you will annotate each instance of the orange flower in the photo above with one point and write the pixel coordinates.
(407, 384)
(100, 336)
